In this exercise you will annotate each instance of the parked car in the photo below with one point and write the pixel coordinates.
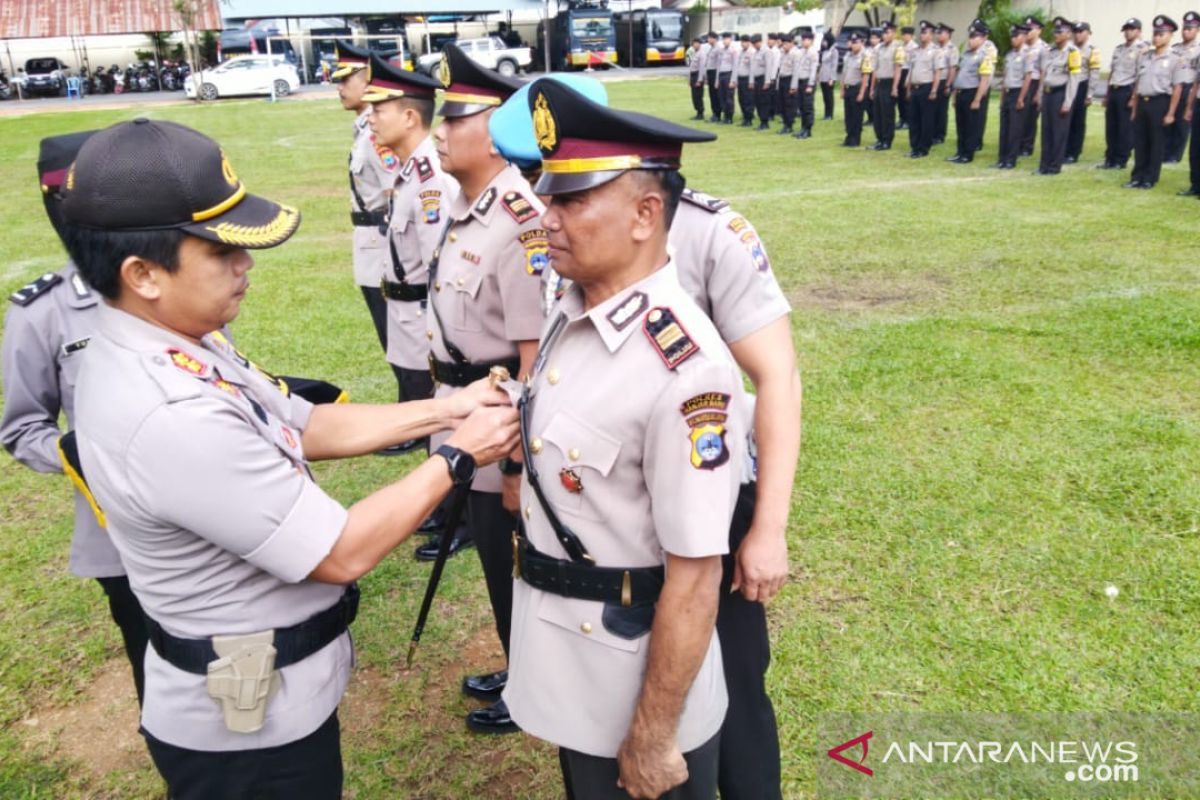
(46, 77)
(245, 75)
(491, 52)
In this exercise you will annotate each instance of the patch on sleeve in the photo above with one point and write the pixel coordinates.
(669, 338)
(518, 207)
(187, 362)
(424, 169)
(537, 250)
(387, 156)
(707, 435)
(485, 201)
(750, 240)
(431, 206)
(32, 291)
(1074, 62)
(706, 401)
(705, 201)
(628, 311)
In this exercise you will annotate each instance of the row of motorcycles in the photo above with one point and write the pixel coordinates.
(137, 77)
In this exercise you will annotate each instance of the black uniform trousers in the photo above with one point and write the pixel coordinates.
(941, 120)
(762, 99)
(1078, 131)
(983, 106)
(827, 98)
(968, 122)
(902, 97)
(885, 110)
(803, 104)
(1055, 128)
(788, 102)
(492, 528)
(697, 91)
(745, 98)
(377, 305)
(593, 778)
(1118, 128)
(1029, 138)
(1149, 137)
(714, 93)
(1011, 128)
(1176, 134)
(852, 109)
(127, 612)
(750, 768)
(1194, 152)
(306, 769)
(921, 114)
(776, 100)
(723, 79)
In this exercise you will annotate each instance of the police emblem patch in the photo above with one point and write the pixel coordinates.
(571, 480)
(537, 250)
(758, 253)
(709, 450)
(518, 207)
(431, 206)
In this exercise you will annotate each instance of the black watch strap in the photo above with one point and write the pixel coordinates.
(460, 464)
(510, 467)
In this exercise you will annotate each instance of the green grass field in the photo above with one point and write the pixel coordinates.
(1001, 378)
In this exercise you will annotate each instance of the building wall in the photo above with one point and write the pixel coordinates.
(754, 20)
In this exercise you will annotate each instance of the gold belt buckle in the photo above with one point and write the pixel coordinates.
(516, 542)
(626, 590)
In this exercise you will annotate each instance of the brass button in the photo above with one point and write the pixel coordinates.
(459, 282)
(535, 446)
(437, 286)
(586, 627)
(528, 512)
(453, 237)
(428, 334)
(418, 312)
(552, 376)
(573, 453)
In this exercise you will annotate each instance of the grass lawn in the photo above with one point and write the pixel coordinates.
(1001, 378)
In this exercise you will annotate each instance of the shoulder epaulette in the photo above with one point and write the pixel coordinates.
(668, 337)
(32, 291)
(518, 207)
(705, 201)
(424, 169)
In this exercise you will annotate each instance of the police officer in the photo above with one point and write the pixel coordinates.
(745, 83)
(774, 56)
(907, 46)
(46, 332)
(805, 74)
(829, 73)
(926, 67)
(971, 86)
(1089, 54)
(787, 83)
(1160, 78)
(1187, 50)
(949, 50)
(725, 75)
(760, 66)
(1061, 67)
(485, 299)
(696, 76)
(889, 57)
(711, 59)
(856, 72)
(1017, 79)
(1036, 46)
(615, 658)
(1122, 75)
(1191, 116)
(874, 37)
(200, 462)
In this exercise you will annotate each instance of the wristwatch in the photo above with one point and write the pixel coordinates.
(460, 464)
(510, 467)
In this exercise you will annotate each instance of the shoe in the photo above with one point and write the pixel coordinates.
(826, 119)
(1132, 185)
(1191, 191)
(804, 134)
(917, 154)
(997, 165)
(746, 123)
(1106, 165)
(699, 117)
(432, 526)
(729, 121)
(1144, 185)
(903, 126)
(429, 550)
(763, 127)
(1025, 153)
(1071, 160)
(939, 141)
(1008, 165)
(492, 719)
(1170, 160)
(784, 131)
(714, 119)
(485, 687)
(956, 159)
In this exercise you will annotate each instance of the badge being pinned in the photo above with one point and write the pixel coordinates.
(431, 206)
(537, 250)
(571, 480)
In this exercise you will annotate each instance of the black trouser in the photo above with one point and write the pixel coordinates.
(968, 122)
(802, 103)
(852, 109)
(127, 612)
(827, 98)
(492, 528)
(1078, 128)
(902, 97)
(776, 100)
(696, 82)
(983, 118)
(750, 767)
(723, 78)
(941, 120)
(714, 92)
(306, 769)
(1011, 128)
(1029, 137)
(1118, 129)
(920, 118)
(885, 110)
(787, 101)
(1194, 152)
(593, 778)
(762, 99)
(377, 305)
(1176, 134)
(745, 98)
(1055, 128)
(1149, 137)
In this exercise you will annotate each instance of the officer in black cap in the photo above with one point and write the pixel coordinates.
(1122, 77)
(907, 46)
(1193, 118)
(1036, 46)
(1089, 56)
(1155, 102)
(950, 56)
(1188, 51)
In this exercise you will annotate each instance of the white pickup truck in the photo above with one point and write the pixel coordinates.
(491, 52)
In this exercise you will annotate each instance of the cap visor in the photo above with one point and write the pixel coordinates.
(342, 73)
(567, 182)
(456, 108)
(373, 95)
(255, 224)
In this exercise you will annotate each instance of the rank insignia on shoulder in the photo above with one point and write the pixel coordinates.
(705, 201)
(518, 207)
(75, 346)
(628, 311)
(537, 250)
(669, 338)
(424, 169)
(81, 289)
(431, 206)
(485, 201)
(32, 291)
(186, 361)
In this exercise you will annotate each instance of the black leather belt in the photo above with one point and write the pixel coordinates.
(466, 374)
(1146, 98)
(409, 292)
(626, 587)
(1053, 89)
(921, 85)
(291, 644)
(368, 219)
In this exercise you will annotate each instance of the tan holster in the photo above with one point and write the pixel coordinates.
(243, 678)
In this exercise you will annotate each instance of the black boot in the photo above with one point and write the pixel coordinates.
(492, 719)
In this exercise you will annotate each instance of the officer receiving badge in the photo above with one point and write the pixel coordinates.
(431, 206)
(537, 250)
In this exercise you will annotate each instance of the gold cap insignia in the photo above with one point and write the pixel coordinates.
(227, 170)
(543, 124)
(444, 71)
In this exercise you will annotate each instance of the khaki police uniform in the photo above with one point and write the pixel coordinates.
(372, 171)
(1157, 77)
(786, 87)
(727, 62)
(829, 76)
(1122, 75)
(925, 65)
(888, 60)
(1089, 78)
(1016, 70)
(974, 67)
(745, 84)
(1029, 138)
(856, 68)
(1176, 139)
(950, 57)
(696, 79)
(1061, 69)
(774, 57)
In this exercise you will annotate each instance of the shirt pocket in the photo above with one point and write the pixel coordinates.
(587, 456)
(465, 314)
(583, 619)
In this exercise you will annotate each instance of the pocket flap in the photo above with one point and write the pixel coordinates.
(468, 283)
(584, 619)
(581, 444)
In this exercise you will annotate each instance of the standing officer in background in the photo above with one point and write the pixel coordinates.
(745, 85)
(889, 57)
(1187, 50)
(972, 83)
(725, 75)
(1061, 67)
(908, 47)
(711, 58)
(1160, 79)
(874, 37)
(1089, 55)
(856, 71)
(200, 461)
(805, 77)
(1192, 117)
(925, 68)
(787, 85)
(774, 56)
(696, 77)
(1037, 45)
(829, 73)
(760, 64)
(46, 332)
(1122, 75)
(1017, 79)
(485, 298)
(941, 123)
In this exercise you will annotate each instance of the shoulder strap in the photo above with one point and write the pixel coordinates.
(454, 352)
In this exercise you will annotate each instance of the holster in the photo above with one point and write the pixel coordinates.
(243, 678)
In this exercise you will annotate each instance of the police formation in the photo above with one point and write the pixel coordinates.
(911, 82)
(568, 326)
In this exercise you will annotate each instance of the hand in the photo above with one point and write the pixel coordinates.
(792, 91)
(477, 395)
(1065, 111)
(808, 90)
(1020, 105)
(1168, 120)
(650, 769)
(1187, 115)
(488, 434)
(974, 105)
(760, 565)
(895, 93)
(510, 493)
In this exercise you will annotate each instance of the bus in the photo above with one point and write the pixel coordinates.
(651, 36)
(582, 35)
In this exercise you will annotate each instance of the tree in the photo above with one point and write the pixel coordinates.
(900, 12)
(188, 10)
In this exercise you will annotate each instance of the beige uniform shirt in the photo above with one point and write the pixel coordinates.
(1158, 74)
(885, 60)
(925, 64)
(1062, 67)
(195, 457)
(759, 61)
(656, 451)
(415, 225)
(1016, 67)
(1123, 70)
(1090, 55)
(788, 62)
(372, 170)
(853, 67)
(487, 294)
(809, 64)
(975, 65)
(1188, 54)
(1035, 57)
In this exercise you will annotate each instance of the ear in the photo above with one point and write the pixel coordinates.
(141, 277)
(648, 215)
